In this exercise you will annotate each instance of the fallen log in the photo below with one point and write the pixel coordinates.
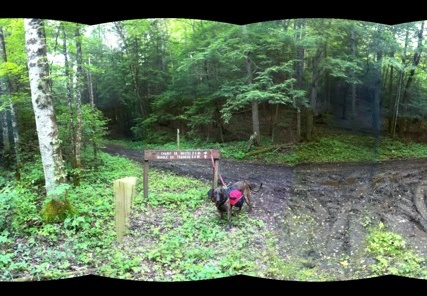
(266, 149)
(67, 274)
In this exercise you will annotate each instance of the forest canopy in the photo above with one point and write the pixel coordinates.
(316, 91)
(142, 79)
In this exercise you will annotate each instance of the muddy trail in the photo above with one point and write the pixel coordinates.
(322, 213)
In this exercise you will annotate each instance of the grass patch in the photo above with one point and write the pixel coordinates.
(337, 147)
(179, 237)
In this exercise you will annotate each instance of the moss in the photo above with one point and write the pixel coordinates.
(56, 210)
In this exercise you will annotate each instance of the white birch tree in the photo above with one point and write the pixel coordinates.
(41, 97)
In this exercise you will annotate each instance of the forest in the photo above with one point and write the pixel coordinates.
(67, 89)
(144, 79)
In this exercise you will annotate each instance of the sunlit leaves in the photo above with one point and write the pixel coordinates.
(343, 68)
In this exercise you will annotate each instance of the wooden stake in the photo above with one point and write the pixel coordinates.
(177, 138)
(124, 192)
(216, 174)
(145, 184)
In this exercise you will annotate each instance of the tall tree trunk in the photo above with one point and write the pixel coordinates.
(395, 115)
(316, 72)
(218, 120)
(15, 132)
(5, 131)
(4, 91)
(298, 137)
(353, 85)
(79, 90)
(255, 122)
(133, 65)
(90, 84)
(70, 100)
(415, 62)
(7, 89)
(299, 70)
(275, 123)
(396, 105)
(255, 112)
(312, 110)
(92, 104)
(389, 94)
(299, 64)
(376, 118)
(41, 97)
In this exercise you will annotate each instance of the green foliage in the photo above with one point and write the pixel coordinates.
(18, 209)
(5, 260)
(293, 270)
(395, 149)
(75, 241)
(234, 150)
(60, 192)
(343, 68)
(350, 148)
(382, 242)
(121, 266)
(94, 128)
(94, 125)
(188, 247)
(11, 69)
(187, 243)
(5, 205)
(49, 232)
(190, 83)
(336, 147)
(392, 255)
(76, 223)
(175, 191)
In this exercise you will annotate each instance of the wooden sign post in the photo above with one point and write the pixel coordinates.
(172, 155)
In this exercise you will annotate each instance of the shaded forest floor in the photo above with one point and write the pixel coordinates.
(322, 213)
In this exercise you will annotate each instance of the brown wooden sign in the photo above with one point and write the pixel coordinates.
(181, 154)
(173, 155)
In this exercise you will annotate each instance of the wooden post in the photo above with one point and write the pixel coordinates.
(177, 138)
(145, 181)
(124, 192)
(215, 177)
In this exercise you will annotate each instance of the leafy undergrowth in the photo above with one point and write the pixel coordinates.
(392, 256)
(33, 250)
(174, 235)
(328, 148)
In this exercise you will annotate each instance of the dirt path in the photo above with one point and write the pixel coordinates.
(323, 212)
